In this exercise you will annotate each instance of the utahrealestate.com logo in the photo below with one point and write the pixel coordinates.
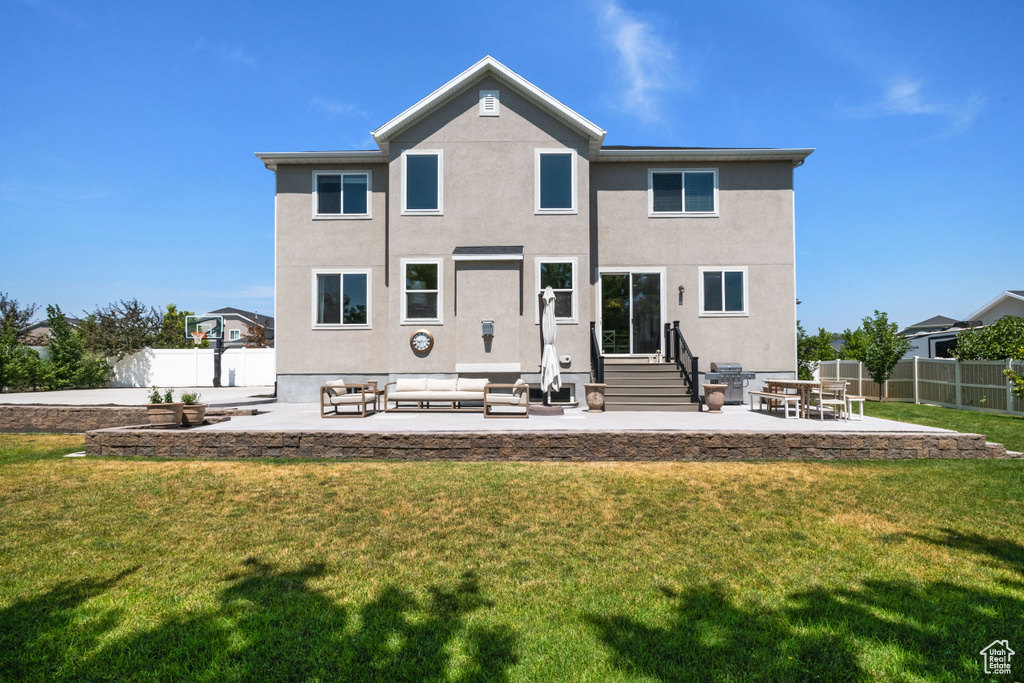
(997, 657)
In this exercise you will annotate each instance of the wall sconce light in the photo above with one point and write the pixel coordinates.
(681, 290)
(486, 328)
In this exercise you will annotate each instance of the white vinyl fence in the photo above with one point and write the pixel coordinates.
(194, 368)
(968, 385)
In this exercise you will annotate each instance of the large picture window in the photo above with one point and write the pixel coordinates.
(341, 299)
(723, 291)
(341, 194)
(560, 275)
(682, 192)
(421, 298)
(422, 186)
(555, 181)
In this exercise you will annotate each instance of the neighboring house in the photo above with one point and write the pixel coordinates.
(236, 322)
(39, 333)
(936, 337)
(487, 191)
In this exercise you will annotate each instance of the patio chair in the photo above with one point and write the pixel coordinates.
(831, 395)
(337, 394)
(518, 397)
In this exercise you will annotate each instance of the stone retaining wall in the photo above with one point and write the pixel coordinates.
(539, 446)
(43, 418)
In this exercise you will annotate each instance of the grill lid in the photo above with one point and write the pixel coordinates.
(726, 367)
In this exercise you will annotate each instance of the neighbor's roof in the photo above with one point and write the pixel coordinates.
(1008, 294)
(265, 320)
(936, 321)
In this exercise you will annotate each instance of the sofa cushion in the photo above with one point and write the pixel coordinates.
(336, 383)
(441, 384)
(472, 383)
(411, 384)
(437, 396)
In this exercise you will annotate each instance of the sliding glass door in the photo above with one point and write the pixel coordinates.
(630, 313)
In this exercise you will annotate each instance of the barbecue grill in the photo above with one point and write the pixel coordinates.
(732, 375)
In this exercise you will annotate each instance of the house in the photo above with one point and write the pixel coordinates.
(933, 324)
(237, 322)
(1010, 302)
(936, 337)
(427, 255)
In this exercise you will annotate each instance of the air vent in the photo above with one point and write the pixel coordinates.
(489, 103)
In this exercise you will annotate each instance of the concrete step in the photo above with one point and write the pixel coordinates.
(659, 406)
(674, 390)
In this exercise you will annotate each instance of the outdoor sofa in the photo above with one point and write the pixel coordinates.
(415, 394)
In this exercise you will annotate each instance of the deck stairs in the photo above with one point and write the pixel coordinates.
(637, 384)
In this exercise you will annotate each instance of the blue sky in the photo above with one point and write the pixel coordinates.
(127, 130)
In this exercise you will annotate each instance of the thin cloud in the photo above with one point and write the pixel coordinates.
(647, 60)
(54, 11)
(228, 53)
(27, 193)
(337, 108)
(906, 97)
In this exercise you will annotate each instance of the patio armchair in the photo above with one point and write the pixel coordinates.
(518, 397)
(337, 394)
(831, 395)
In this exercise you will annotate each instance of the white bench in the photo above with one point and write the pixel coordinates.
(785, 399)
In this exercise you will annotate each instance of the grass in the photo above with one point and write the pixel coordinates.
(1005, 429)
(323, 571)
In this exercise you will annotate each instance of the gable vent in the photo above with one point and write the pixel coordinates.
(489, 103)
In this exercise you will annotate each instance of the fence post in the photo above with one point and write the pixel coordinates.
(1009, 388)
(959, 391)
(916, 400)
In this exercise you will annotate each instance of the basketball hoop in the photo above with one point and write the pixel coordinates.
(198, 337)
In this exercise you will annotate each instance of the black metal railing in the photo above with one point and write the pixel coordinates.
(676, 349)
(596, 359)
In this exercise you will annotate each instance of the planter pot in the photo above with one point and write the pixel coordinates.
(595, 397)
(164, 415)
(193, 415)
(714, 397)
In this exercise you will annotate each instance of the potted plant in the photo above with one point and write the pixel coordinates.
(193, 412)
(163, 412)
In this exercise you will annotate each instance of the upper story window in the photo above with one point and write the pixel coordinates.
(341, 194)
(723, 291)
(682, 192)
(421, 291)
(341, 299)
(234, 335)
(422, 182)
(555, 184)
(560, 275)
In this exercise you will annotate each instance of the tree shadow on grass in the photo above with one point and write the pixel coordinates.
(273, 625)
(1004, 552)
(888, 629)
(36, 634)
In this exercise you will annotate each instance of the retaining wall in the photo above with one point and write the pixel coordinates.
(546, 446)
(40, 418)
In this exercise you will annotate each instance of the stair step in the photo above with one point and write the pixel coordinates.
(675, 407)
(623, 392)
(640, 375)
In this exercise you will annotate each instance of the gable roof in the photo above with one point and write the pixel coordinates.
(936, 321)
(489, 66)
(1008, 294)
(264, 320)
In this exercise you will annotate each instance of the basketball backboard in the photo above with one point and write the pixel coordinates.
(212, 325)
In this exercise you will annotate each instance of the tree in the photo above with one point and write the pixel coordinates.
(256, 335)
(1002, 340)
(66, 349)
(885, 348)
(15, 316)
(855, 345)
(121, 329)
(172, 330)
(811, 350)
(1017, 379)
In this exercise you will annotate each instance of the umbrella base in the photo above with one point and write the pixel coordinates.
(546, 410)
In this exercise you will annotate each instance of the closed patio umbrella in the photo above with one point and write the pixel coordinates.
(550, 377)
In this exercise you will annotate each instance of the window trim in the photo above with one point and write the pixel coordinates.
(745, 313)
(343, 216)
(341, 272)
(439, 320)
(651, 213)
(439, 153)
(574, 162)
(234, 335)
(574, 260)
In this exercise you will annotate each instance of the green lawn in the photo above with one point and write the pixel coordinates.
(1005, 429)
(325, 571)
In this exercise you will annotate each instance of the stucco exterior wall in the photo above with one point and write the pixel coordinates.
(754, 230)
(1005, 307)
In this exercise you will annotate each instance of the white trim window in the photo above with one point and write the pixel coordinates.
(723, 291)
(555, 181)
(341, 299)
(560, 275)
(682, 192)
(422, 182)
(234, 335)
(341, 194)
(422, 291)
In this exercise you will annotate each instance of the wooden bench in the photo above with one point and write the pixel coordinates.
(785, 399)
